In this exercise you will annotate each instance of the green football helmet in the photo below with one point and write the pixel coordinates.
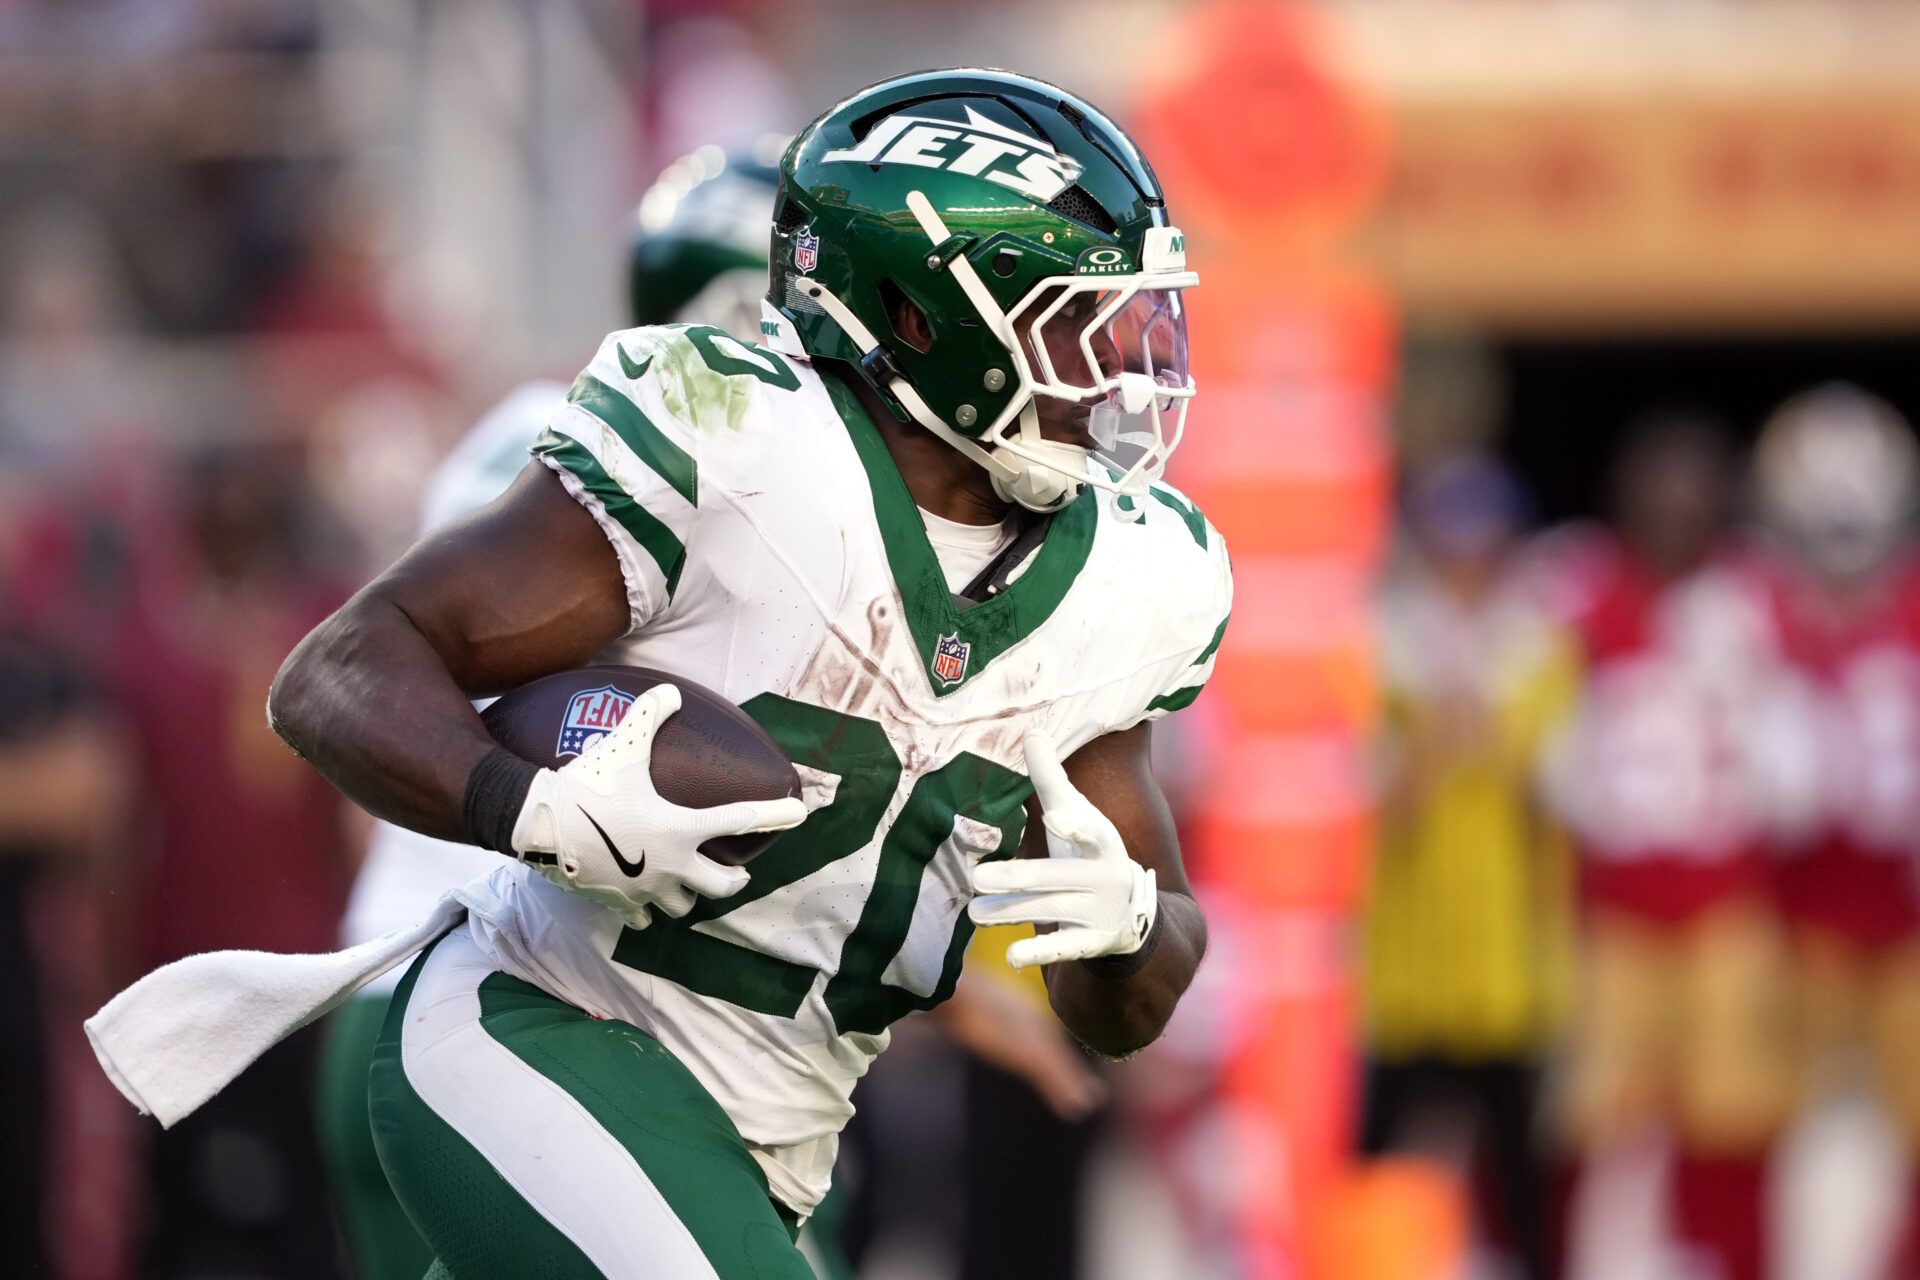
(699, 249)
(1032, 236)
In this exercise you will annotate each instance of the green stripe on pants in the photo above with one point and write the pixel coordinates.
(477, 1224)
(623, 1152)
(647, 1099)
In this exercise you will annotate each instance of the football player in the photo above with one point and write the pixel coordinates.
(1835, 473)
(921, 539)
(1676, 778)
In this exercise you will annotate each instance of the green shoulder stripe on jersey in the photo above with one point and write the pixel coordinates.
(672, 463)
(1188, 513)
(987, 630)
(1213, 645)
(667, 550)
(1177, 699)
(1184, 697)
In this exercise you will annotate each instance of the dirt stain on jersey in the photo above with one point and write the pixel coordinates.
(846, 673)
(693, 392)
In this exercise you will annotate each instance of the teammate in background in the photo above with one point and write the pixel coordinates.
(921, 541)
(1466, 933)
(1836, 483)
(1676, 781)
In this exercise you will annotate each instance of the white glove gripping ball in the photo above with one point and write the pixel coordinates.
(613, 838)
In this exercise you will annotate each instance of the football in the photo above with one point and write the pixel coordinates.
(709, 752)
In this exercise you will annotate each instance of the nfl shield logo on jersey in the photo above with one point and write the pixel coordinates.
(591, 713)
(950, 659)
(806, 250)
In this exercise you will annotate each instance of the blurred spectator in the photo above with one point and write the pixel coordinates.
(1836, 480)
(62, 795)
(1030, 1100)
(67, 370)
(331, 330)
(1677, 777)
(248, 850)
(1466, 927)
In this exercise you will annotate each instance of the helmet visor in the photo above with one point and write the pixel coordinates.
(1079, 336)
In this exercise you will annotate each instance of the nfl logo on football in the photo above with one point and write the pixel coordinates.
(950, 659)
(806, 250)
(591, 713)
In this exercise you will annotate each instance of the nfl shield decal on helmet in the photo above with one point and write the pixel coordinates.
(591, 713)
(806, 250)
(950, 659)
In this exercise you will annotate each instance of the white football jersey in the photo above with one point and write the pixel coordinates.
(772, 553)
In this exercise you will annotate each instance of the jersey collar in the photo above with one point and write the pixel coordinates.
(954, 644)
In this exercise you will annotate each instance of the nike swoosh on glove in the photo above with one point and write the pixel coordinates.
(597, 827)
(1102, 900)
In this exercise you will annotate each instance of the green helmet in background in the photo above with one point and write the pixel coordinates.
(1032, 236)
(699, 250)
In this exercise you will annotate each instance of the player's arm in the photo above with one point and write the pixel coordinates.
(377, 696)
(1103, 864)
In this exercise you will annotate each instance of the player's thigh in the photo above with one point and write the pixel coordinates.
(526, 1138)
(1893, 1032)
(1616, 1062)
(1738, 1064)
(380, 1236)
(1832, 976)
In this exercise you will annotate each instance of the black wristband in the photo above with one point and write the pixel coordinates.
(1116, 968)
(496, 791)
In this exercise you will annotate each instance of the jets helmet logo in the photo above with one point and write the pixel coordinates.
(950, 659)
(977, 146)
(591, 713)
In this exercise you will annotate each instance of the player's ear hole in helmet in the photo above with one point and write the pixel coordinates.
(909, 320)
(992, 256)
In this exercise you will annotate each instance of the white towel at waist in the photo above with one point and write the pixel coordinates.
(182, 1033)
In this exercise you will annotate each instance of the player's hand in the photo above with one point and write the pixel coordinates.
(1102, 900)
(597, 827)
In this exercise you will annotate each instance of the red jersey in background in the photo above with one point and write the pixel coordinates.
(1684, 762)
(1853, 871)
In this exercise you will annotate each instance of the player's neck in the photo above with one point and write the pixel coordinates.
(941, 479)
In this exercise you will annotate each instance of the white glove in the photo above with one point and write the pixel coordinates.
(1103, 901)
(597, 827)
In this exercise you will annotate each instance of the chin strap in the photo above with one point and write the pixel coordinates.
(1036, 486)
(1044, 483)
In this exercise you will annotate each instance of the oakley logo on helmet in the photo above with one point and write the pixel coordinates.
(1104, 260)
(977, 147)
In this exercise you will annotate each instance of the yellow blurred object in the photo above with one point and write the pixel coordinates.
(1467, 928)
(987, 954)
